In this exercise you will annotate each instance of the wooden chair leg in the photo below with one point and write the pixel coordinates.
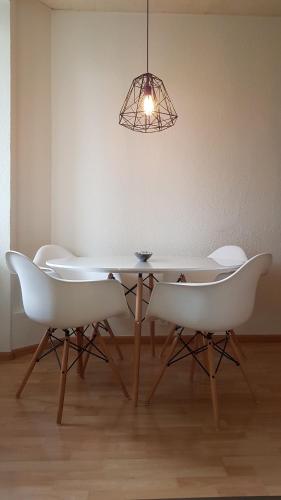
(33, 361)
(193, 360)
(113, 365)
(238, 355)
(152, 337)
(169, 337)
(163, 368)
(238, 344)
(87, 354)
(152, 322)
(114, 339)
(167, 340)
(205, 353)
(213, 383)
(79, 341)
(63, 375)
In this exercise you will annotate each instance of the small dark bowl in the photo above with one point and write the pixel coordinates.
(143, 256)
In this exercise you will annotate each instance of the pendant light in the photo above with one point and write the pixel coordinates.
(147, 107)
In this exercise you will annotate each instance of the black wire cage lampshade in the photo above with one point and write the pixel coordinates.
(147, 106)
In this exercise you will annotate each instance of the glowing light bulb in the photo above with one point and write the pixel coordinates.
(148, 105)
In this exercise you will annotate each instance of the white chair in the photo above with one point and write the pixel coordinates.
(48, 252)
(228, 255)
(51, 251)
(207, 308)
(66, 305)
(231, 253)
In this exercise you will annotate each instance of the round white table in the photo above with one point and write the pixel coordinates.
(155, 265)
(130, 264)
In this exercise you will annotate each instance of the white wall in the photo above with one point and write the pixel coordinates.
(31, 143)
(214, 178)
(32, 124)
(5, 137)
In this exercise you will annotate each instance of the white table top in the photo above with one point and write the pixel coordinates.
(130, 264)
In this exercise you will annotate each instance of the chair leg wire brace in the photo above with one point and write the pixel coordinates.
(82, 345)
(202, 342)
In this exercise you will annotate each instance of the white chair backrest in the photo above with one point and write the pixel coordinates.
(216, 306)
(232, 253)
(227, 255)
(47, 252)
(34, 284)
(62, 304)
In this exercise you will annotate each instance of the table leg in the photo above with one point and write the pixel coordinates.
(137, 346)
(152, 322)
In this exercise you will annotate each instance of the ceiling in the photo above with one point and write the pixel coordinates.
(223, 7)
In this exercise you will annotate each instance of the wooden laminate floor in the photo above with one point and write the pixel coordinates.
(106, 449)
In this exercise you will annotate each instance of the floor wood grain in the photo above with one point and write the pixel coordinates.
(109, 450)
